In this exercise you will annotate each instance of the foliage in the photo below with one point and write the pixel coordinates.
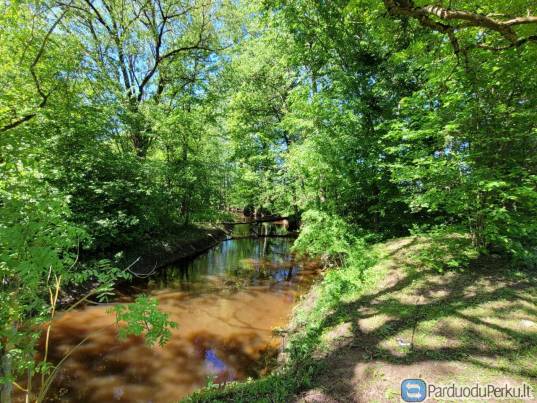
(121, 122)
(445, 249)
(37, 244)
(339, 245)
(259, 82)
(326, 236)
(399, 129)
(142, 317)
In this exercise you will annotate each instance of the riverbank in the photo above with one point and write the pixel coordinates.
(363, 329)
(145, 257)
(184, 243)
(225, 302)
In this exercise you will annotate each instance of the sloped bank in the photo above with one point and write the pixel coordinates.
(392, 316)
(300, 363)
(145, 258)
(191, 241)
(186, 243)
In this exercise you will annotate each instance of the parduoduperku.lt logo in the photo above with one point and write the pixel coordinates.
(413, 390)
(417, 390)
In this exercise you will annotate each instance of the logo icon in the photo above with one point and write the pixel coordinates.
(413, 390)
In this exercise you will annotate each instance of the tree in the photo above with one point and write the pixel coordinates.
(133, 47)
(28, 80)
(260, 81)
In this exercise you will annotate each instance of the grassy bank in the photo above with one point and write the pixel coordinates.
(391, 316)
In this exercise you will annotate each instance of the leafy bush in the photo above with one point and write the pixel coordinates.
(445, 248)
(37, 247)
(326, 236)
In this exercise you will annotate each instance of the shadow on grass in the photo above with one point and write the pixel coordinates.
(471, 317)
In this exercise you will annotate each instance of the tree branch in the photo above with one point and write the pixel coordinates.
(452, 20)
(44, 96)
(158, 46)
(99, 16)
(17, 122)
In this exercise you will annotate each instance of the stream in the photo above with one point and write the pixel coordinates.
(226, 303)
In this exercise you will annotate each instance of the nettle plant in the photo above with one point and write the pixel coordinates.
(38, 258)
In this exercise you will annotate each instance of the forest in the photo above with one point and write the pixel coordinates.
(128, 125)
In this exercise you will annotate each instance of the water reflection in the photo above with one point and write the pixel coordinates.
(275, 228)
(228, 258)
(226, 303)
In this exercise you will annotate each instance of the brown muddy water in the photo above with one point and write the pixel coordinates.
(226, 304)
